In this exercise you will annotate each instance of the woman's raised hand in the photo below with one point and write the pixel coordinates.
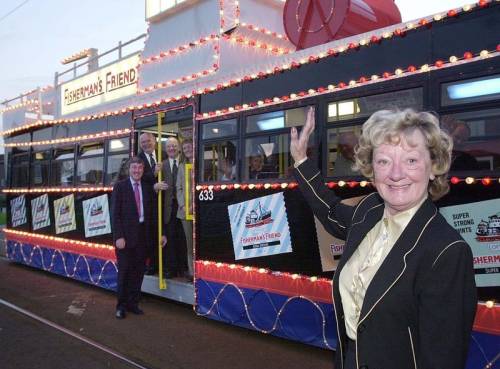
(298, 143)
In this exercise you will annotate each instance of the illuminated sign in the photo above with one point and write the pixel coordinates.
(107, 84)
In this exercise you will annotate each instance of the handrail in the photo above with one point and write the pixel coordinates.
(76, 66)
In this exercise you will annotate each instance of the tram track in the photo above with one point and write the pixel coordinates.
(70, 333)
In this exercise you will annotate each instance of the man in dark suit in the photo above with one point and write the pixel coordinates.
(132, 216)
(147, 142)
(175, 253)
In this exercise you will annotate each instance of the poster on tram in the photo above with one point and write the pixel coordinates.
(96, 216)
(260, 227)
(64, 213)
(18, 211)
(40, 216)
(479, 224)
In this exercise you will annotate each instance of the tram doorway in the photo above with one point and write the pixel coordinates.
(164, 140)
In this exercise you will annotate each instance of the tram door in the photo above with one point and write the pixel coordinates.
(165, 139)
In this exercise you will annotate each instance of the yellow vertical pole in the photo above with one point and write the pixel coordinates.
(188, 168)
(162, 283)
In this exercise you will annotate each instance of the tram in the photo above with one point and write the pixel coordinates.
(236, 85)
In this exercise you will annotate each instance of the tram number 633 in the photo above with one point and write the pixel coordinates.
(206, 195)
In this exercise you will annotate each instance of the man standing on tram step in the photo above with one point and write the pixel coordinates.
(175, 261)
(147, 142)
(132, 218)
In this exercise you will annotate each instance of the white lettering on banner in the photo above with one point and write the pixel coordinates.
(260, 237)
(107, 84)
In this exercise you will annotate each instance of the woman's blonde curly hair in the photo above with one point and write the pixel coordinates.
(387, 126)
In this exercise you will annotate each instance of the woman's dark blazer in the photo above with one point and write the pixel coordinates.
(419, 308)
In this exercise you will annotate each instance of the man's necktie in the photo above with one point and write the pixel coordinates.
(174, 176)
(137, 196)
(152, 161)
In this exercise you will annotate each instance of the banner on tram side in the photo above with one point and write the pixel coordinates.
(331, 248)
(18, 211)
(96, 216)
(479, 224)
(40, 216)
(107, 84)
(260, 227)
(64, 214)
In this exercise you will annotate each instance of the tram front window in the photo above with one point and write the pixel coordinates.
(219, 161)
(341, 143)
(39, 168)
(20, 165)
(267, 157)
(63, 166)
(90, 164)
(476, 140)
(118, 156)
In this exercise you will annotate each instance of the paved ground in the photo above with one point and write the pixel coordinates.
(168, 336)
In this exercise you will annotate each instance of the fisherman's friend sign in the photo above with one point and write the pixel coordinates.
(260, 227)
(40, 212)
(18, 211)
(96, 216)
(64, 214)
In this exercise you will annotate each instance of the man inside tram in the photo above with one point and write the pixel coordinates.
(460, 133)
(226, 163)
(345, 154)
(175, 254)
(147, 142)
(256, 164)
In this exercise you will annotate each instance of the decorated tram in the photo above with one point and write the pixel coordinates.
(236, 81)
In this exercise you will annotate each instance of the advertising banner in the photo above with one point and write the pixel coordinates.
(96, 216)
(331, 248)
(40, 216)
(64, 213)
(107, 84)
(18, 211)
(260, 227)
(479, 224)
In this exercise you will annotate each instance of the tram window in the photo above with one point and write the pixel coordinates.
(219, 161)
(89, 167)
(340, 157)
(476, 140)
(367, 105)
(39, 169)
(63, 166)
(119, 144)
(276, 120)
(220, 129)
(268, 157)
(20, 170)
(471, 90)
(117, 159)
(117, 168)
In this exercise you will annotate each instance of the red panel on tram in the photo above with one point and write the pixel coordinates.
(313, 22)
